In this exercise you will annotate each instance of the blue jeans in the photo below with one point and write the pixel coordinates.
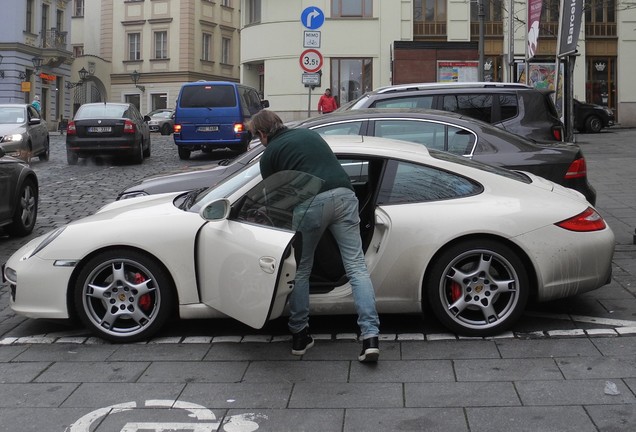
(336, 210)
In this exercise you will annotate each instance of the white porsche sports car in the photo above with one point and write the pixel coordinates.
(472, 241)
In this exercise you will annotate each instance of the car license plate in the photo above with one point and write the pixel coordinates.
(208, 129)
(100, 129)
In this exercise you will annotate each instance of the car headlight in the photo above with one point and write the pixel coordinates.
(47, 240)
(12, 138)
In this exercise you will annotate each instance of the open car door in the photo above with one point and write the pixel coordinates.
(247, 253)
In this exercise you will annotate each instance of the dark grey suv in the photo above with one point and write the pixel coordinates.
(517, 108)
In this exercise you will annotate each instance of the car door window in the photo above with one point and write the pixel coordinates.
(430, 134)
(477, 106)
(424, 102)
(406, 182)
(508, 106)
(344, 128)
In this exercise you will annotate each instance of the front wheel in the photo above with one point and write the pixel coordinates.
(44, 156)
(123, 296)
(593, 124)
(166, 129)
(478, 288)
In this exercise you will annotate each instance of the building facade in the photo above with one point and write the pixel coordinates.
(367, 44)
(35, 55)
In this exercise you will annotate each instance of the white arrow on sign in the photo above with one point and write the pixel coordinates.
(310, 17)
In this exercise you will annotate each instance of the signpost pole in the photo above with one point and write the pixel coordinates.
(309, 102)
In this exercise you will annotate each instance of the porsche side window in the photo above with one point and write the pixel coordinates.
(405, 182)
(348, 128)
(280, 200)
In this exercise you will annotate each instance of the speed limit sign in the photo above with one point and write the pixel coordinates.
(311, 60)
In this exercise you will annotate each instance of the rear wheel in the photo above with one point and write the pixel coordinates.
(478, 288)
(184, 153)
(26, 210)
(44, 156)
(123, 295)
(593, 124)
(147, 151)
(138, 156)
(71, 157)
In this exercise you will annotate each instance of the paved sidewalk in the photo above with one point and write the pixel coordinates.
(581, 377)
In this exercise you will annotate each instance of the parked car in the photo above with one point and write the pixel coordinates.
(162, 121)
(19, 192)
(212, 114)
(23, 132)
(107, 128)
(517, 108)
(560, 162)
(472, 241)
(591, 117)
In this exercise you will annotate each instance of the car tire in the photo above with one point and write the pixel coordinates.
(184, 153)
(166, 129)
(147, 150)
(477, 287)
(593, 124)
(138, 156)
(123, 295)
(71, 157)
(26, 210)
(44, 156)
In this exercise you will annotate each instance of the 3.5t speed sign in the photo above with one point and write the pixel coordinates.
(311, 60)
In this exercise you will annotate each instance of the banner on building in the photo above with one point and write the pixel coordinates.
(534, 16)
(569, 26)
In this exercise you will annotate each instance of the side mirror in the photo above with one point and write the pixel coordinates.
(34, 121)
(216, 210)
(146, 118)
(265, 103)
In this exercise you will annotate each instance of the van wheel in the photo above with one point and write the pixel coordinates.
(184, 153)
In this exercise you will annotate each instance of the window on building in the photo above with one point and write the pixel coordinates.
(161, 45)
(78, 50)
(29, 16)
(59, 20)
(78, 8)
(350, 78)
(134, 99)
(600, 18)
(158, 101)
(226, 50)
(429, 17)
(352, 8)
(226, 3)
(206, 47)
(44, 24)
(492, 10)
(253, 12)
(134, 46)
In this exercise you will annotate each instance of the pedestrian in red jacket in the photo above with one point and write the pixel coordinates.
(327, 103)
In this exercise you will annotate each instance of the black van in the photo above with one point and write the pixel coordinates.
(212, 114)
(517, 108)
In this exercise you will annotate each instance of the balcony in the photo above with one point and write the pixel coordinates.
(600, 30)
(53, 39)
(429, 28)
(491, 28)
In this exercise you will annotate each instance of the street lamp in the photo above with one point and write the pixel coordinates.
(1, 71)
(37, 62)
(83, 74)
(135, 78)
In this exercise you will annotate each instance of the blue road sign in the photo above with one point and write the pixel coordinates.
(312, 18)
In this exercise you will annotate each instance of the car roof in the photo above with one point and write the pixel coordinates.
(14, 105)
(449, 85)
(423, 113)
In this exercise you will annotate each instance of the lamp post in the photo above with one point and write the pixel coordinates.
(37, 62)
(135, 78)
(83, 74)
(1, 71)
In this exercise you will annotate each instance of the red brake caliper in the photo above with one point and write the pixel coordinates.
(456, 291)
(145, 301)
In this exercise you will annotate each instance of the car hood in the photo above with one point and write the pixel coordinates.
(199, 178)
(6, 129)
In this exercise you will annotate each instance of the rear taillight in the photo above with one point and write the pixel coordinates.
(129, 127)
(557, 132)
(577, 169)
(177, 128)
(238, 128)
(71, 129)
(589, 220)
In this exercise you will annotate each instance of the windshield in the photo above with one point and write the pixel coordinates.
(12, 115)
(227, 187)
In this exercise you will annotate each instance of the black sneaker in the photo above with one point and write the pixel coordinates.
(370, 350)
(301, 341)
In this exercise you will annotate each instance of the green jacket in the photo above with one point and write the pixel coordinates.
(306, 151)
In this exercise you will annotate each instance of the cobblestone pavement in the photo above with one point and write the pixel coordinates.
(568, 366)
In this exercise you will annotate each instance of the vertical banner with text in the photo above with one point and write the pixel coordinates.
(534, 16)
(570, 26)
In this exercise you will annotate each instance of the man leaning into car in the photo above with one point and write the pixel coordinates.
(334, 208)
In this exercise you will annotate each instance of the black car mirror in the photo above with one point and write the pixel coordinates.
(146, 118)
(34, 121)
